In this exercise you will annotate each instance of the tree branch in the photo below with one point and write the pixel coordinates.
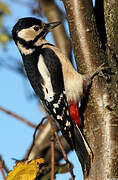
(2, 168)
(52, 153)
(111, 24)
(17, 117)
(41, 147)
(2, 171)
(34, 137)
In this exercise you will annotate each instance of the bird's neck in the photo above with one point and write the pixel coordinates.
(24, 50)
(40, 42)
(30, 48)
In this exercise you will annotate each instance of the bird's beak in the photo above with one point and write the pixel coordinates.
(52, 25)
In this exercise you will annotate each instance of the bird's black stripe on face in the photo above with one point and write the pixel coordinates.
(30, 44)
(41, 35)
(25, 44)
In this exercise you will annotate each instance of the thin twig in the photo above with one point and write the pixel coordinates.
(1, 169)
(52, 158)
(65, 157)
(4, 165)
(52, 152)
(17, 117)
(34, 135)
(70, 167)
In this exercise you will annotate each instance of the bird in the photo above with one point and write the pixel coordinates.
(54, 80)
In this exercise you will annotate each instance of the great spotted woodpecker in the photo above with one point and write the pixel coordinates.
(54, 80)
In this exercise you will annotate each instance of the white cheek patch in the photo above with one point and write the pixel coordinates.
(47, 86)
(28, 34)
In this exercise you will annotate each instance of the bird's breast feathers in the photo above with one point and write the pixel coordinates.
(73, 81)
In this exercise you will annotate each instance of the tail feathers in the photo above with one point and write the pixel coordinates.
(83, 151)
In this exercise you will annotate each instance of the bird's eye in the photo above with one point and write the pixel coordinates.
(36, 28)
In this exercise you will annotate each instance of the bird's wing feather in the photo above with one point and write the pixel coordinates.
(55, 100)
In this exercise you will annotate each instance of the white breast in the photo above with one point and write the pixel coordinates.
(73, 81)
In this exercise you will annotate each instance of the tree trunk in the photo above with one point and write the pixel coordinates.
(100, 115)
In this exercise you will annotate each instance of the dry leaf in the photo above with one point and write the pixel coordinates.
(26, 171)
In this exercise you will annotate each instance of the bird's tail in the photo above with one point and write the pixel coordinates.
(83, 150)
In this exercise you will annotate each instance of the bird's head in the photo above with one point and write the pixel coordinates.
(29, 30)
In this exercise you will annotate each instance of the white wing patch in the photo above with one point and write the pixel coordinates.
(47, 87)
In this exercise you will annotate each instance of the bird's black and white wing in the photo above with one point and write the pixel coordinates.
(56, 104)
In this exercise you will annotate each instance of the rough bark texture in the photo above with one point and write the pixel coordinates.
(100, 22)
(111, 24)
(100, 117)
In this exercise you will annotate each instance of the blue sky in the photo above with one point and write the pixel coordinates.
(15, 137)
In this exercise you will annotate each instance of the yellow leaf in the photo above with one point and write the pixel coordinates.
(4, 38)
(0, 21)
(25, 171)
(4, 8)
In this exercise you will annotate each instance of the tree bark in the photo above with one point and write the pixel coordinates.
(100, 118)
(111, 24)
